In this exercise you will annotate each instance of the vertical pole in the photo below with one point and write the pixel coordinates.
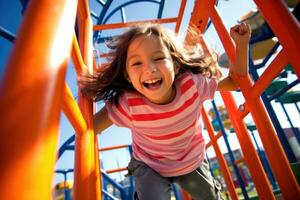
(87, 170)
(31, 97)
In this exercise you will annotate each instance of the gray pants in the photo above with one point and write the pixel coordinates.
(150, 185)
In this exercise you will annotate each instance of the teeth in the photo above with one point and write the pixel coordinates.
(152, 81)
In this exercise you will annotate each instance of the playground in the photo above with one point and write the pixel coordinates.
(48, 148)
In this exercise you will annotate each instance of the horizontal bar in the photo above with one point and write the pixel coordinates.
(269, 74)
(116, 170)
(128, 24)
(216, 137)
(114, 147)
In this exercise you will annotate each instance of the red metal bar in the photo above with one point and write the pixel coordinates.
(286, 28)
(258, 175)
(180, 15)
(31, 96)
(274, 68)
(128, 24)
(72, 111)
(221, 160)
(86, 171)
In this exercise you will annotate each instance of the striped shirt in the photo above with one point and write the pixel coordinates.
(168, 138)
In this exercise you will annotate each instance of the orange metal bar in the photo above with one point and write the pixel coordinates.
(213, 139)
(274, 68)
(86, 170)
(223, 165)
(113, 147)
(72, 111)
(180, 15)
(243, 111)
(287, 182)
(258, 175)
(286, 28)
(238, 161)
(199, 17)
(274, 151)
(105, 55)
(116, 170)
(220, 28)
(128, 24)
(31, 96)
(76, 57)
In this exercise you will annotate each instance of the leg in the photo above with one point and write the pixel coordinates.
(149, 185)
(200, 184)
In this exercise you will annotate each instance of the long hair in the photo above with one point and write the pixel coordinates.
(109, 83)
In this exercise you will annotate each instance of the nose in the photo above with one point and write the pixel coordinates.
(151, 68)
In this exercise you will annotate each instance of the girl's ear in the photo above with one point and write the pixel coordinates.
(176, 69)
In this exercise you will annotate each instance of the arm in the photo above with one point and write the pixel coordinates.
(101, 120)
(240, 34)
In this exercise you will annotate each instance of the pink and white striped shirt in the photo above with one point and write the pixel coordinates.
(168, 138)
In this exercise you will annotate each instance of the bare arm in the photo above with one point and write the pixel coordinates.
(101, 120)
(240, 34)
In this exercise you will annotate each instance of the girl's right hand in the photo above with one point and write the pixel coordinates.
(241, 33)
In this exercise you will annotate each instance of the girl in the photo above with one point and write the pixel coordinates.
(156, 88)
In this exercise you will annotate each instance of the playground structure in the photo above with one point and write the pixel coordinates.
(34, 84)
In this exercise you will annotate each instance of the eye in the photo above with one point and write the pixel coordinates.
(136, 63)
(159, 58)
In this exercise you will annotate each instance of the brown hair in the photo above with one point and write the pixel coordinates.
(109, 83)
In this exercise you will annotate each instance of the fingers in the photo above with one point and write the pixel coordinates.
(241, 29)
(234, 29)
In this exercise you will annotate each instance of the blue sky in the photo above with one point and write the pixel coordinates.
(10, 18)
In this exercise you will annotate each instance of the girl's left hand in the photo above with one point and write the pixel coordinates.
(241, 33)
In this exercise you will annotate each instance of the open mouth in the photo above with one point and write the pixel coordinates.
(152, 84)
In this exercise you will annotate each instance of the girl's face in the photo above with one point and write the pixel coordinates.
(150, 69)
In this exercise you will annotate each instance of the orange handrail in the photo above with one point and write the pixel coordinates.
(35, 75)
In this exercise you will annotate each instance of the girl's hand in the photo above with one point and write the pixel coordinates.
(241, 33)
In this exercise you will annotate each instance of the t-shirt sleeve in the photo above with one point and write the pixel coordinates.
(206, 86)
(119, 114)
